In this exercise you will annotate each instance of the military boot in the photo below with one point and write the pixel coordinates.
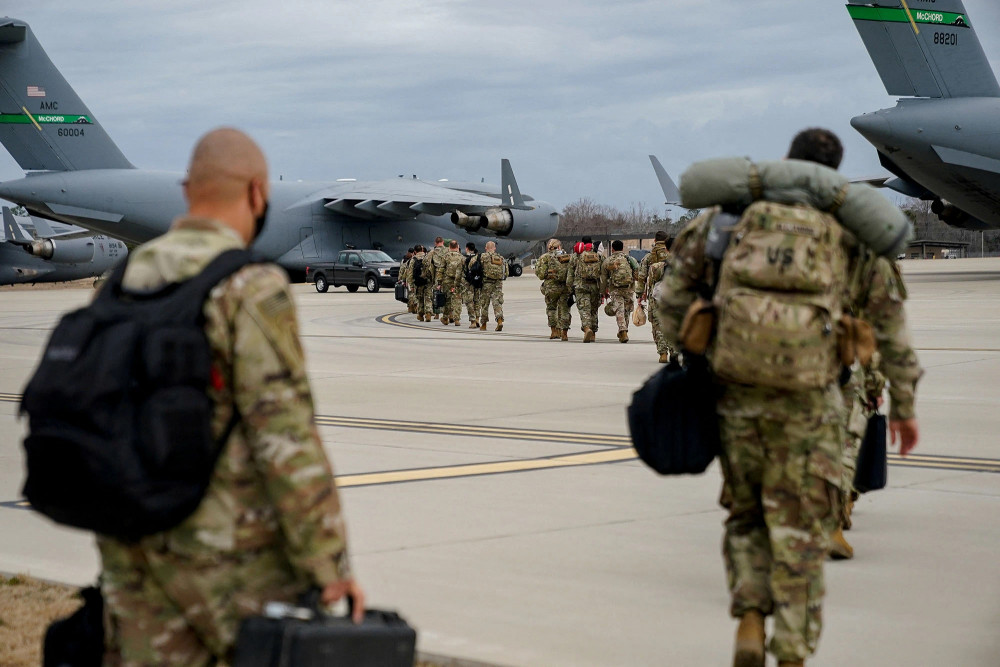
(482, 327)
(564, 334)
(499, 324)
(623, 336)
(588, 335)
(420, 317)
(473, 324)
(456, 323)
(664, 358)
(750, 640)
(839, 548)
(553, 333)
(444, 320)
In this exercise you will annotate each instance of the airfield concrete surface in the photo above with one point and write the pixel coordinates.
(571, 552)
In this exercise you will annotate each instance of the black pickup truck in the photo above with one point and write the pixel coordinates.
(354, 268)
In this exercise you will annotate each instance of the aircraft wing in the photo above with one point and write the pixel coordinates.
(408, 198)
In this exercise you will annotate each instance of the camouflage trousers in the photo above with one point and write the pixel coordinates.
(588, 300)
(421, 299)
(411, 298)
(556, 304)
(453, 307)
(162, 608)
(492, 293)
(782, 460)
(662, 346)
(471, 299)
(621, 302)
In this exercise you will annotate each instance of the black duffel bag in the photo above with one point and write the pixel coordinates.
(672, 419)
(78, 639)
(872, 472)
(306, 636)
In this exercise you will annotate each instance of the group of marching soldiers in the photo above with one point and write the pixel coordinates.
(442, 280)
(591, 279)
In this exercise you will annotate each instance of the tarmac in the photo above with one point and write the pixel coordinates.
(492, 497)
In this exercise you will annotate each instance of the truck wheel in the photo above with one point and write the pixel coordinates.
(352, 288)
(371, 284)
(321, 284)
(516, 270)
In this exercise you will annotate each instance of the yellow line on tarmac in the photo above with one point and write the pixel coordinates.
(476, 469)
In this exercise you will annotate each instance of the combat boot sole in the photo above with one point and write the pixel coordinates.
(499, 325)
(482, 327)
(564, 334)
(554, 333)
(589, 335)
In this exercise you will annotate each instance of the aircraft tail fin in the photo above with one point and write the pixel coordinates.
(509, 191)
(924, 52)
(12, 231)
(670, 191)
(43, 123)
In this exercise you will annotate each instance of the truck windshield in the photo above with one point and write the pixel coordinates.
(376, 256)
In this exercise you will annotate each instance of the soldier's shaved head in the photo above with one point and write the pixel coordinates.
(223, 163)
(490, 246)
(227, 181)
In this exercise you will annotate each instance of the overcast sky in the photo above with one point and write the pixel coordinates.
(575, 93)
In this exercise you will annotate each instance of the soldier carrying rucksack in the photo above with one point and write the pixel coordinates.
(651, 270)
(759, 287)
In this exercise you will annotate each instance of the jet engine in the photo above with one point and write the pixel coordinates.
(500, 221)
(75, 251)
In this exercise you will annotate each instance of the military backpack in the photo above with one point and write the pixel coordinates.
(656, 272)
(588, 266)
(420, 277)
(493, 267)
(474, 270)
(620, 271)
(119, 439)
(779, 298)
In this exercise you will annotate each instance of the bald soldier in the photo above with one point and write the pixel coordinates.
(269, 526)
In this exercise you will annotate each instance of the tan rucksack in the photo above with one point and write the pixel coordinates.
(588, 266)
(620, 272)
(779, 298)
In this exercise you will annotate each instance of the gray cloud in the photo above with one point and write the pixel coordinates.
(576, 94)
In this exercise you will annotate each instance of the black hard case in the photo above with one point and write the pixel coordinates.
(382, 640)
(402, 292)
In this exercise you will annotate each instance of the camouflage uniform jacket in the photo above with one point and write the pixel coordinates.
(437, 257)
(690, 274)
(270, 524)
(659, 253)
(403, 266)
(454, 269)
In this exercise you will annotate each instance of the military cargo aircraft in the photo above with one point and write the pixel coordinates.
(941, 141)
(52, 257)
(76, 174)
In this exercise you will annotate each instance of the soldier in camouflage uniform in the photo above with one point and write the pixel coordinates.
(435, 261)
(404, 266)
(551, 268)
(269, 526)
(876, 294)
(782, 459)
(421, 292)
(619, 296)
(587, 290)
(451, 284)
(494, 273)
(471, 295)
(651, 269)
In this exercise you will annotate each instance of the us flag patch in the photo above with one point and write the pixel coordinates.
(36, 91)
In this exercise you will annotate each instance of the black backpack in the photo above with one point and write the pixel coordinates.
(119, 420)
(418, 272)
(474, 270)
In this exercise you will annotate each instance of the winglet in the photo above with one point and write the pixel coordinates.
(12, 231)
(509, 192)
(670, 190)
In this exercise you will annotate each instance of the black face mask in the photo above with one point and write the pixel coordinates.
(258, 222)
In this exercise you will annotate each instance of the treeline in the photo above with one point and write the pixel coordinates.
(927, 226)
(585, 216)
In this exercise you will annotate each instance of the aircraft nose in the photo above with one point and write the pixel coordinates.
(872, 126)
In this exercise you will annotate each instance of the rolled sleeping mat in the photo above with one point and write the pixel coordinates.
(872, 218)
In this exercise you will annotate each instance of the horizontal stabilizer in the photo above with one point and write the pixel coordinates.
(12, 230)
(924, 51)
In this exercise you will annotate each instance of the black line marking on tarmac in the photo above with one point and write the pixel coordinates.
(608, 441)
